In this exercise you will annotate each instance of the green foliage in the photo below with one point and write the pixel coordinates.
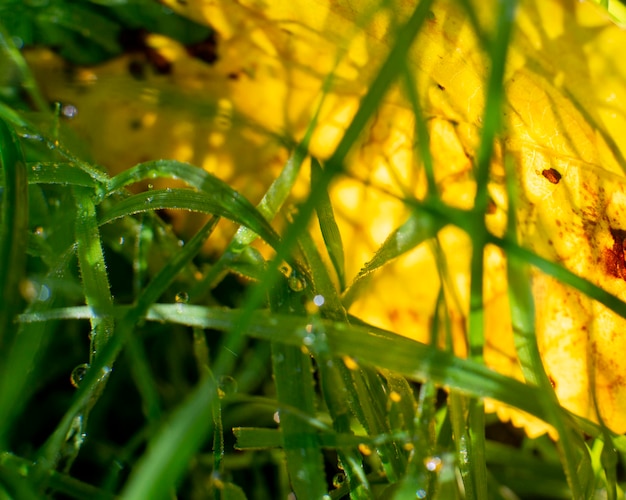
(182, 373)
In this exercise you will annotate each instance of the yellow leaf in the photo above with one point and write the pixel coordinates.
(564, 114)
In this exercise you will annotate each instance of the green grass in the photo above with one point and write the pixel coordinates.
(181, 382)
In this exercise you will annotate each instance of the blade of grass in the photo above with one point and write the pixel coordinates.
(49, 451)
(59, 173)
(576, 462)
(476, 480)
(222, 201)
(328, 226)
(13, 233)
(187, 421)
(13, 245)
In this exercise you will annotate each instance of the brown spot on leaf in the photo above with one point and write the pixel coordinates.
(552, 174)
(205, 50)
(134, 41)
(614, 257)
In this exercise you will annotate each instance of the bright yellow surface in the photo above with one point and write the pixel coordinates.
(564, 110)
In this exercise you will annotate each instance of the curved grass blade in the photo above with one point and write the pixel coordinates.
(328, 226)
(13, 245)
(419, 227)
(574, 453)
(222, 201)
(124, 328)
(59, 173)
(193, 176)
(13, 233)
(153, 464)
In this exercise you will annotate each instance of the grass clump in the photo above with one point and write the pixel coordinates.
(133, 364)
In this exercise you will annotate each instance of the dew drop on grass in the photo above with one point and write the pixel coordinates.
(433, 464)
(319, 300)
(182, 298)
(78, 374)
(339, 479)
(277, 417)
(420, 493)
(285, 269)
(296, 284)
(69, 111)
(227, 386)
(44, 293)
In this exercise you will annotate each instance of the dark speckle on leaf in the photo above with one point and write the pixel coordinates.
(552, 175)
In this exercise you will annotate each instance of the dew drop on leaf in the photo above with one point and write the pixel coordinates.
(296, 284)
(339, 479)
(227, 386)
(69, 111)
(78, 374)
(433, 464)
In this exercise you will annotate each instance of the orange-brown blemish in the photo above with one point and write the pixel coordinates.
(552, 174)
(615, 264)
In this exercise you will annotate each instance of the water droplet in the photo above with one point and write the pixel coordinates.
(121, 241)
(216, 480)
(150, 186)
(420, 493)
(182, 298)
(296, 284)
(285, 269)
(339, 479)
(78, 374)
(149, 199)
(277, 417)
(36, 167)
(69, 111)
(319, 300)
(227, 386)
(44, 293)
(433, 464)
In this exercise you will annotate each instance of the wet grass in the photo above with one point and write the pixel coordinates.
(133, 365)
